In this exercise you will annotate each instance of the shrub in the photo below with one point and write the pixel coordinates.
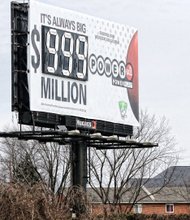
(23, 202)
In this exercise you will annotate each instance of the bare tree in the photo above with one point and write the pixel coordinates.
(49, 161)
(180, 184)
(118, 173)
(54, 164)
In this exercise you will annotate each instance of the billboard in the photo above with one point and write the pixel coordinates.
(82, 66)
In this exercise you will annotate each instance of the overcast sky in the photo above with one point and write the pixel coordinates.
(164, 56)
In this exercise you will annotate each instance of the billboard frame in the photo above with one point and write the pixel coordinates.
(20, 89)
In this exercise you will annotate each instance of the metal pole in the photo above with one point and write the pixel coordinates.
(79, 164)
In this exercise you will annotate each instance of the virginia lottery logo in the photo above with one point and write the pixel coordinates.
(123, 109)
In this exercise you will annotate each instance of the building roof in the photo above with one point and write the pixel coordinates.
(177, 189)
(165, 195)
(174, 176)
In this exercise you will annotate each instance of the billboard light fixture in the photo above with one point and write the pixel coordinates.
(131, 142)
(147, 144)
(62, 128)
(74, 132)
(96, 135)
(112, 138)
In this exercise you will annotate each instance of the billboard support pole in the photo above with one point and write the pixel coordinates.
(78, 173)
(79, 164)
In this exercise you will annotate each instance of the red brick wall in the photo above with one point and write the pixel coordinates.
(153, 209)
(146, 208)
(98, 209)
(160, 209)
(182, 208)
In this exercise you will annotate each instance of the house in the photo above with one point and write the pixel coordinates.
(155, 196)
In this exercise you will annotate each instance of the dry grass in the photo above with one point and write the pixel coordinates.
(21, 202)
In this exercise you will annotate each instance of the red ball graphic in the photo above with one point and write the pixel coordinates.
(129, 72)
(132, 74)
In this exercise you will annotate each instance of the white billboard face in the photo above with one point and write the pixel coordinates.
(82, 66)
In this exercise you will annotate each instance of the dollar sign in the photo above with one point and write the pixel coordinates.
(35, 36)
